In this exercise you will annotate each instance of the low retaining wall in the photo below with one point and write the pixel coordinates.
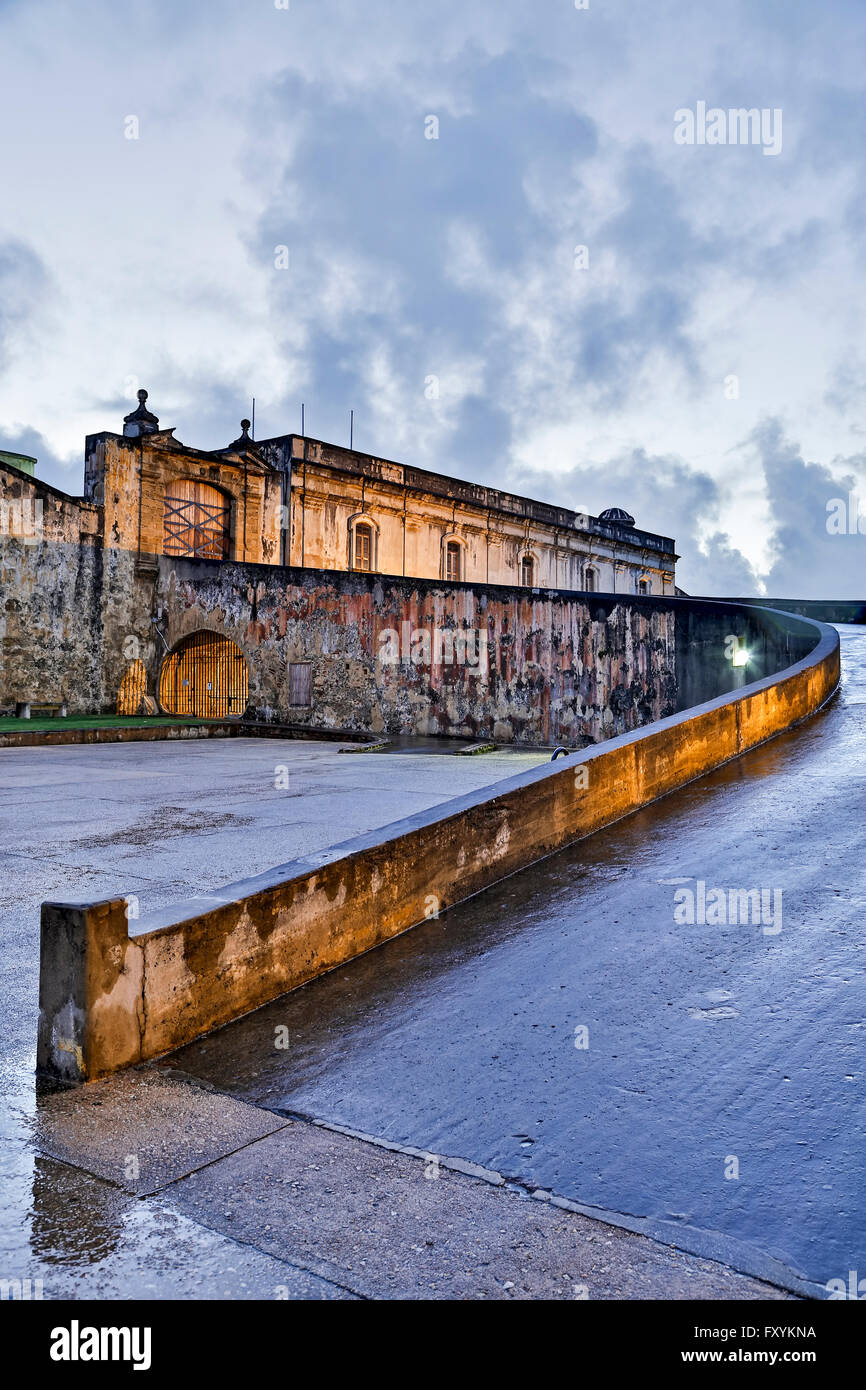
(108, 733)
(144, 733)
(109, 998)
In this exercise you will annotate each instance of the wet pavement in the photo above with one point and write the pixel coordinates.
(703, 1082)
(155, 820)
(254, 1205)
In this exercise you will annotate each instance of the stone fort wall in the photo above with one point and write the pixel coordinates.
(345, 650)
(389, 655)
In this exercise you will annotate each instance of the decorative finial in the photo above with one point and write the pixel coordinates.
(142, 420)
(243, 441)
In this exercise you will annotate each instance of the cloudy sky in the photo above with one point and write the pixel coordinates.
(701, 362)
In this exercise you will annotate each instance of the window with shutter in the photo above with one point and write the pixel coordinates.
(300, 684)
(363, 547)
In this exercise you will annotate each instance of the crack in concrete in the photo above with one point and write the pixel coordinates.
(641, 1226)
(216, 1230)
(315, 1273)
(200, 1168)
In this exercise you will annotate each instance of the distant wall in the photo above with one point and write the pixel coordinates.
(822, 610)
(109, 999)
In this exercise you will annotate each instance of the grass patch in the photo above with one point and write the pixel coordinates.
(41, 723)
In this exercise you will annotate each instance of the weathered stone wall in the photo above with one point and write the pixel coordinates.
(50, 625)
(558, 667)
(71, 612)
(127, 632)
(50, 595)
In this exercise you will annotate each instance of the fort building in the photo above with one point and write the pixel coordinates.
(297, 501)
(207, 583)
(350, 510)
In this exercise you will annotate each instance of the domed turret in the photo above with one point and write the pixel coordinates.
(618, 516)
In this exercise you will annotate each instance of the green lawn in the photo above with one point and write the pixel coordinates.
(89, 721)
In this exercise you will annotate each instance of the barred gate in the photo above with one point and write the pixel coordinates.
(133, 688)
(205, 677)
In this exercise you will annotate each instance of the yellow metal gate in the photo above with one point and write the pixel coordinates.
(205, 678)
(133, 688)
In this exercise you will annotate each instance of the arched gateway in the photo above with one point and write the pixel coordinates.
(205, 677)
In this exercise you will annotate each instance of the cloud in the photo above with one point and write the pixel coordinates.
(153, 261)
(63, 473)
(715, 566)
(23, 283)
(809, 561)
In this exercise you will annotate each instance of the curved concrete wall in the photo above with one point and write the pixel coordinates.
(109, 999)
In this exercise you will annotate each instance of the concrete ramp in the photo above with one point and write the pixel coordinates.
(114, 993)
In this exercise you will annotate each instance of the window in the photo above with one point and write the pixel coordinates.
(196, 520)
(363, 548)
(643, 586)
(452, 562)
(527, 571)
(300, 684)
(590, 579)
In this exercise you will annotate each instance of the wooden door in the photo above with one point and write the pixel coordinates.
(196, 520)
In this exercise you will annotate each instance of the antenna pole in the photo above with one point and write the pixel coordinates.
(253, 426)
(351, 428)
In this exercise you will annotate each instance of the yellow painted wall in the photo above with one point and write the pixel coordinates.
(411, 529)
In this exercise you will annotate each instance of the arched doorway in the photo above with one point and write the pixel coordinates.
(205, 677)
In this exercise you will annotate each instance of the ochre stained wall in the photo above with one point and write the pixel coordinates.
(413, 517)
(130, 478)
